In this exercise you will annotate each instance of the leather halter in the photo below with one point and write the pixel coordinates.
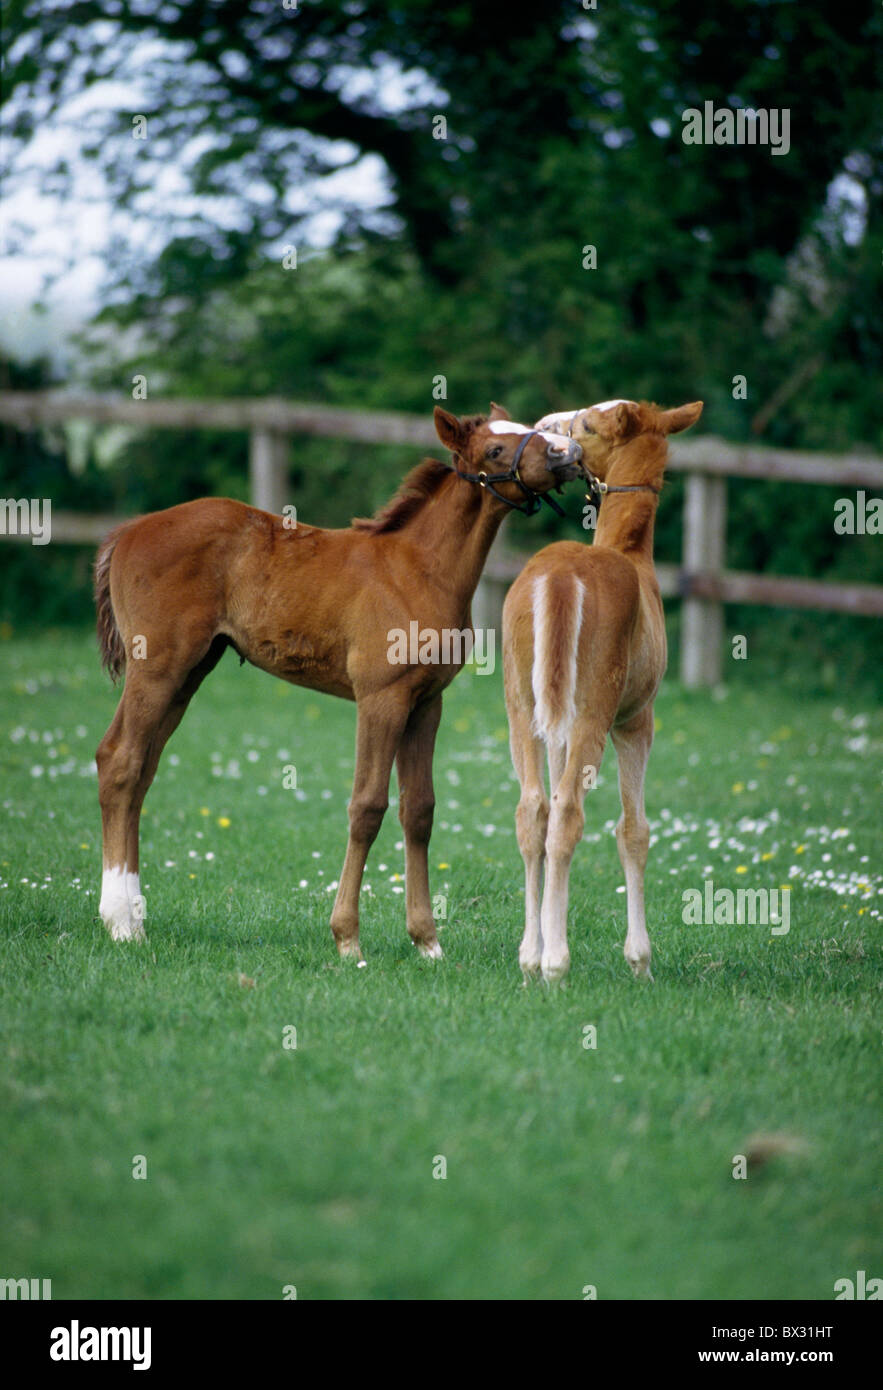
(597, 489)
(534, 499)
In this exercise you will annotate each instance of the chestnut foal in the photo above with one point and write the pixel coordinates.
(316, 607)
(584, 651)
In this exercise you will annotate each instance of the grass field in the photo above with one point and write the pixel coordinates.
(566, 1165)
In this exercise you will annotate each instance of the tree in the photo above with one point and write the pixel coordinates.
(563, 128)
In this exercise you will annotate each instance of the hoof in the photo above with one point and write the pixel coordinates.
(641, 969)
(430, 950)
(126, 931)
(530, 967)
(349, 950)
(555, 971)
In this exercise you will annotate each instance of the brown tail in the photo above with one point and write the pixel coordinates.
(113, 651)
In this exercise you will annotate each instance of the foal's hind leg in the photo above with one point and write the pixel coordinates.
(151, 707)
(632, 742)
(531, 821)
(121, 757)
(557, 753)
(167, 726)
(585, 747)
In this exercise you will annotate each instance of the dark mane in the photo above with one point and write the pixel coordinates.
(421, 483)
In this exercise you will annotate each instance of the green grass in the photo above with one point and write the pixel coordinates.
(566, 1165)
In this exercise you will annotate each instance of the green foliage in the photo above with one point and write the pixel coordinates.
(563, 131)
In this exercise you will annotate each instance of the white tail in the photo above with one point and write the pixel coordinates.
(558, 620)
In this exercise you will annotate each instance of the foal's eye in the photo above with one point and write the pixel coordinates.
(494, 453)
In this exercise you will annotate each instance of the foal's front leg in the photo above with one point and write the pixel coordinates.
(632, 742)
(416, 808)
(381, 721)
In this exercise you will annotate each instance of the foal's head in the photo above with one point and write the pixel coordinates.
(602, 429)
(497, 445)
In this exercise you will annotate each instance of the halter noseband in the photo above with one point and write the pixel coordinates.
(596, 488)
(534, 499)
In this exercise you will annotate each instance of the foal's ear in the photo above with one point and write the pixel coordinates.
(449, 430)
(624, 417)
(499, 412)
(615, 423)
(681, 418)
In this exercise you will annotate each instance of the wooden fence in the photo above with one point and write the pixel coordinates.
(702, 580)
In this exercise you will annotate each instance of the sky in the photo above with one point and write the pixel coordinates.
(43, 234)
(42, 231)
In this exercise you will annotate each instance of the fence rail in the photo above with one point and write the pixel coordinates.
(701, 580)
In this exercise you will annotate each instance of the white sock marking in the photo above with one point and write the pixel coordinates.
(121, 905)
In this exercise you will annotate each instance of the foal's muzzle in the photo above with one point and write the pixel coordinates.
(563, 459)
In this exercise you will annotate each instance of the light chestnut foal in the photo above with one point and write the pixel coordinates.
(317, 608)
(584, 651)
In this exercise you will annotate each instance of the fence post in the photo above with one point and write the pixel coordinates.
(704, 552)
(487, 604)
(268, 469)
